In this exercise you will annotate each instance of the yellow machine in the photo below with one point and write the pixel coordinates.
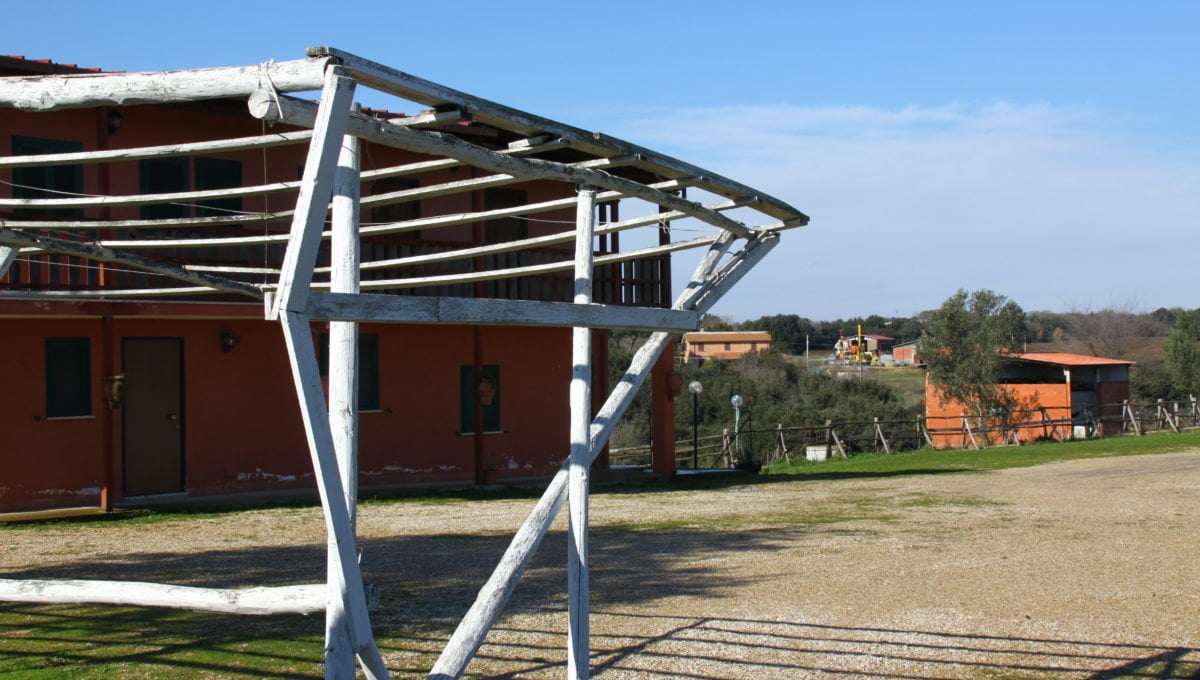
(854, 349)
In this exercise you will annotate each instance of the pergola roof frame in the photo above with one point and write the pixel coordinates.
(330, 189)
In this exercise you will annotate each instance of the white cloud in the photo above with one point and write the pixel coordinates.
(1046, 204)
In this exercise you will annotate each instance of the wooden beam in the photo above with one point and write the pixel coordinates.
(343, 398)
(302, 599)
(163, 151)
(529, 270)
(315, 192)
(8, 255)
(101, 254)
(532, 242)
(580, 398)
(47, 93)
(489, 112)
(301, 112)
(422, 310)
(315, 416)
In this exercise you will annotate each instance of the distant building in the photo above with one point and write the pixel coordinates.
(701, 346)
(1064, 391)
(905, 354)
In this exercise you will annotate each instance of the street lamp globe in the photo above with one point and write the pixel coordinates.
(736, 401)
(695, 387)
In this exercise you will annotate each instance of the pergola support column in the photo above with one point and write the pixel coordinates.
(343, 396)
(580, 460)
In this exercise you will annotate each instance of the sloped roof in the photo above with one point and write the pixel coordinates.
(1068, 359)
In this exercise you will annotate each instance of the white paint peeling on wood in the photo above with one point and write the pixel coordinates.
(48, 93)
(302, 599)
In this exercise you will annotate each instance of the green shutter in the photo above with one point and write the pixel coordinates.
(68, 377)
(467, 390)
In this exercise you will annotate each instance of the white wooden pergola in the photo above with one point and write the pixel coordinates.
(297, 291)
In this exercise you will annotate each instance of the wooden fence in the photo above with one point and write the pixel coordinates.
(844, 438)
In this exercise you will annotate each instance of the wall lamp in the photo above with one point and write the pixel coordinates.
(229, 340)
(114, 121)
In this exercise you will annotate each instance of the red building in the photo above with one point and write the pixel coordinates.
(1055, 393)
(108, 402)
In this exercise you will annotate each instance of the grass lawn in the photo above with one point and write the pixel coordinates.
(994, 458)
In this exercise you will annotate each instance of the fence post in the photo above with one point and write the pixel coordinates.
(968, 434)
(1127, 410)
(880, 438)
(828, 439)
(783, 444)
(725, 444)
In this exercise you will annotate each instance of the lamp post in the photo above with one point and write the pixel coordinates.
(695, 388)
(736, 402)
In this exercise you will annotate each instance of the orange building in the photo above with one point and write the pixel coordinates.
(118, 402)
(1057, 394)
(701, 346)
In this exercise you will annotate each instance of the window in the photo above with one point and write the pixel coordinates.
(368, 368)
(68, 377)
(52, 181)
(468, 389)
(162, 176)
(170, 175)
(396, 212)
(504, 228)
(218, 173)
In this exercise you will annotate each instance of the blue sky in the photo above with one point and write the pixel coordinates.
(1048, 151)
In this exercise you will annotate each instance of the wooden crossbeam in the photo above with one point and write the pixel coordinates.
(51, 93)
(483, 311)
(302, 599)
(301, 112)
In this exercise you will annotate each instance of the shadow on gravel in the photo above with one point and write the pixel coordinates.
(711, 648)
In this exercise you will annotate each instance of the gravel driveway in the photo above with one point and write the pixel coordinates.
(1078, 569)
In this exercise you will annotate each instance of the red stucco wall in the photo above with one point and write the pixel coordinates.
(242, 430)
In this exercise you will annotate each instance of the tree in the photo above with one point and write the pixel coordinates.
(1182, 353)
(963, 348)
(1110, 332)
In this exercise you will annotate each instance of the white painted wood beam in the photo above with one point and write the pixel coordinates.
(301, 599)
(343, 397)
(482, 311)
(530, 270)
(11, 238)
(315, 192)
(579, 462)
(433, 94)
(46, 93)
(8, 255)
(302, 357)
(163, 151)
(303, 113)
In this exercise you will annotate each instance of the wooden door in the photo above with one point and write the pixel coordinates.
(153, 415)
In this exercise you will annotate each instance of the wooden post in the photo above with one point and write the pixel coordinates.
(343, 395)
(1127, 411)
(968, 434)
(662, 413)
(879, 436)
(580, 460)
(828, 439)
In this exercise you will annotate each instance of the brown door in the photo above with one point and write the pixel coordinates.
(153, 415)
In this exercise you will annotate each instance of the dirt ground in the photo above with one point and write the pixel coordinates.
(1082, 569)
